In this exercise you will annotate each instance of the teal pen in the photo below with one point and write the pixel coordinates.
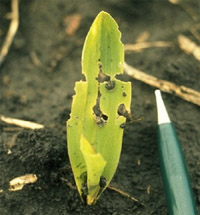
(179, 195)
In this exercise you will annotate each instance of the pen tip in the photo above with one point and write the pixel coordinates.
(161, 109)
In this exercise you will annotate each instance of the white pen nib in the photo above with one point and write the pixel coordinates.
(161, 109)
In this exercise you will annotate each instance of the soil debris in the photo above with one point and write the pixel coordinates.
(19, 182)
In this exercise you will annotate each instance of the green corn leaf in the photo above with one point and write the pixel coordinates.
(95, 164)
(94, 131)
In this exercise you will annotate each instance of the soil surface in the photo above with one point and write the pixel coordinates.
(37, 83)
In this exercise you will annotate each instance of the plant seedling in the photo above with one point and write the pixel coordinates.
(94, 131)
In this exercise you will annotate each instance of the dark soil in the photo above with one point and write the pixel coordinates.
(42, 92)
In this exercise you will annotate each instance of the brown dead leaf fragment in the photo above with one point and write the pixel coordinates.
(21, 123)
(195, 30)
(143, 37)
(145, 45)
(72, 23)
(5, 80)
(11, 31)
(174, 1)
(19, 182)
(181, 91)
(148, 189)
(189, 47)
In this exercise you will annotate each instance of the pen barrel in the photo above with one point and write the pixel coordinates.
(175, 176)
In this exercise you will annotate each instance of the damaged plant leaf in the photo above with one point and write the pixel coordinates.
(94, 131)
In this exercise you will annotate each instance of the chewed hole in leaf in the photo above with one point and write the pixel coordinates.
(105, 117)
(100, 118)
(83, 77)
(110, 85)
(124, 94)
(96, 109)
(102, 77)
(101, 121)
(123, 112)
